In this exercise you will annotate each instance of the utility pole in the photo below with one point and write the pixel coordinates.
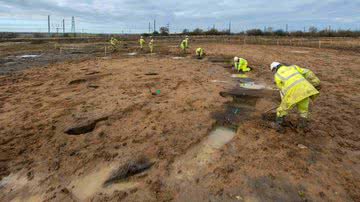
(154, 25)
(230, 27)
(73, 25)
(149, 27)
(49, 25)
(168, 26)
(63, 23)
(287, 28)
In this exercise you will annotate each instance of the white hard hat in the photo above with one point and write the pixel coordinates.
(274, 65)
(186, 36)
(236, 59)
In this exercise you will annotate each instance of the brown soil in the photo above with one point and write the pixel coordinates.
(162, 110)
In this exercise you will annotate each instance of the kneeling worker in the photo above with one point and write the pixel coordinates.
(297, 86)
(241, 65)
(200, 52)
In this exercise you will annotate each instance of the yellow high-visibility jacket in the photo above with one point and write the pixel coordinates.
(142, 41)
(242, 65)
(184, 44)
(114, 41)
(295, 84)
(199, 52)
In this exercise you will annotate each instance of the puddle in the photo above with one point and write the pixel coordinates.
(34, 198)
(197, 159)
(28, 56)
(239, 76)
(17, 187)
(178, 58)
(301, 52)
(132, 54)
(85, 187)
(14, 181)
(252, 85)
(218, 81)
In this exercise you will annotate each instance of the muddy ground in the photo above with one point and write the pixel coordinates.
(154, 127)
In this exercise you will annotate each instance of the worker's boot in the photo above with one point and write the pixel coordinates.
(280, 124)
(303, 124)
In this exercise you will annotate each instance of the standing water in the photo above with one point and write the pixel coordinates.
(198, 158)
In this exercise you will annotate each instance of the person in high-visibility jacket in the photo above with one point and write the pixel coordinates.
(240, 64)
(200, 52)
(297, 86)
(142, 42)
(151, 44)
(114, 43)
(184, 44)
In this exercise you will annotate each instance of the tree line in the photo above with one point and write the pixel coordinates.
(312, 32)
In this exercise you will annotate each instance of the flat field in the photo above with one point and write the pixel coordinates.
(77, 124)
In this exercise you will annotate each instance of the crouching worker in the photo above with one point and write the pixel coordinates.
(297, 86)
(184, 44)
(114, 43)
(199, 53)
(240, 64)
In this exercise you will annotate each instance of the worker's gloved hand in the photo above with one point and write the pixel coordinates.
(318, 87)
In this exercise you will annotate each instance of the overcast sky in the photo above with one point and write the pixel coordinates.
(117, 16)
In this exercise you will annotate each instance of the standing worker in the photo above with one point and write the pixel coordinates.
(200, 53)
(151, 44)
(142, 42)
(297, 85)
(240, 64)
(114, 43)
(184, 44)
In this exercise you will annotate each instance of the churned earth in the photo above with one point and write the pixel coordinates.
(168, 127)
